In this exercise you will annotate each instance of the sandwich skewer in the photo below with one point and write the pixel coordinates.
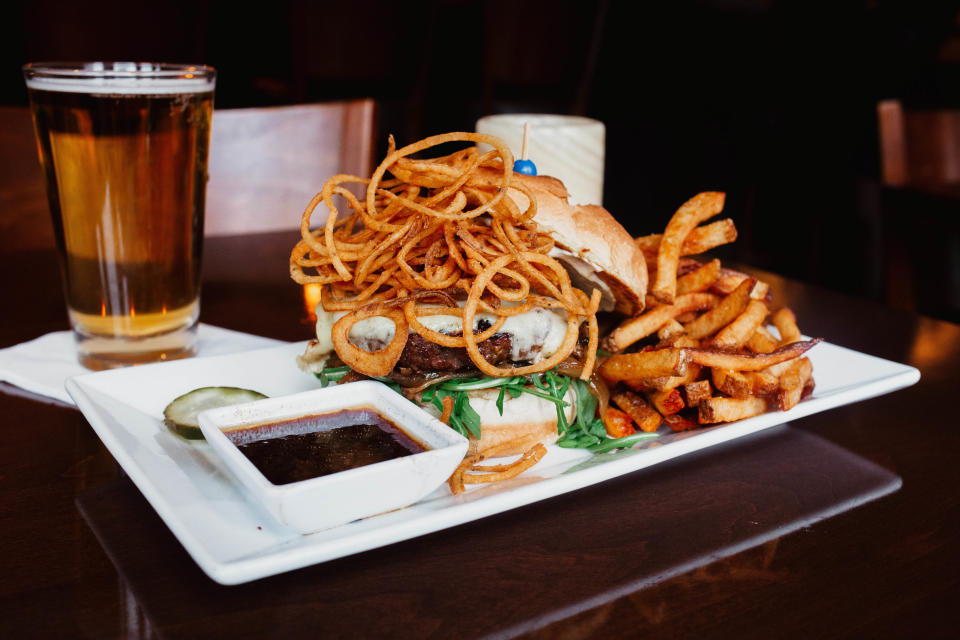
(525, 165)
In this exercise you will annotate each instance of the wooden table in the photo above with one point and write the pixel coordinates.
(844, 524)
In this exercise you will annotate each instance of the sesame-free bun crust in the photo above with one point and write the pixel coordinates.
(592, 234)
(526, 420)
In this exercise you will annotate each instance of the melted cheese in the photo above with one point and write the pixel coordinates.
(534, 335)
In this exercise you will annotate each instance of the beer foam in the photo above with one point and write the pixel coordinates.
(122, 86)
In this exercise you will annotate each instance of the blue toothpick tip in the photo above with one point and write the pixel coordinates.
(526, 167)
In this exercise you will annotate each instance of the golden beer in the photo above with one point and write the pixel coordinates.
(124, 152)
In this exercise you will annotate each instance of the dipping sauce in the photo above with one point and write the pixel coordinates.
(317, 445)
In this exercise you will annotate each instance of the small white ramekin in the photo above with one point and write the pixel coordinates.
(335, 499)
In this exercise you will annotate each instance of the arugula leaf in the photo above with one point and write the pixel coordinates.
(390, 383)
(546, 396)
(586, 403)
(467, 414)
(552, 382)
(458, 426)
(537, 381)
(618, 443)
(428, 395)
(437, 400)
(585, 431)
(331, 374)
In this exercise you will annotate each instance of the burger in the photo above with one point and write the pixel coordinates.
(471, 289)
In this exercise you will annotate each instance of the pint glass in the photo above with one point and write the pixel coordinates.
(123, 147)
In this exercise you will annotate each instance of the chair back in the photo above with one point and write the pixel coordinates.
(920, 232)
(24, 215)
(918, 147)
(267, 163)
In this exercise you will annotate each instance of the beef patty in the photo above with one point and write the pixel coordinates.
(422, 356)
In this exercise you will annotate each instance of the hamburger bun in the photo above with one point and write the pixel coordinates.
(588, 233)
(597, 252)
(526, 420)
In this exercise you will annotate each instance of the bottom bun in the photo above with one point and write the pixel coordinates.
(526, 420)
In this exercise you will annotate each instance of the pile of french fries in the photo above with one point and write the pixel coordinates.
(702, 352)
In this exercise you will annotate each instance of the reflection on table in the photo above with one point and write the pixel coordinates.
(700, 510)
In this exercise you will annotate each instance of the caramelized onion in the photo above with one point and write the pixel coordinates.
(600, 389)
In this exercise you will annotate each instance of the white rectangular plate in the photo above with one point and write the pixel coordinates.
(234, 540)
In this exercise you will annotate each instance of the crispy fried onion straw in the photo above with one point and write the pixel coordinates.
(447, 410)
(470, 471)
(440, 226)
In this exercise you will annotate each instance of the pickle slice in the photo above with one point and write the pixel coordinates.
(180, 416)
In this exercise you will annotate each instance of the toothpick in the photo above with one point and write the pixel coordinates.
(526, 139)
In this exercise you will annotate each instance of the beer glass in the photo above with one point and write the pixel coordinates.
(123, 146)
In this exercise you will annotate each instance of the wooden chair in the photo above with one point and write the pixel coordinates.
(24, 215)
(265, 165)
(920, 169)
(918, 148)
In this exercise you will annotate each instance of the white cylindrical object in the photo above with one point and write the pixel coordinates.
(569, 148)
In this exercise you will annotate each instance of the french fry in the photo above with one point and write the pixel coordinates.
(761, 341)
(697, 392)
(642, 326)
(732, 383)
(740, 384)
(728, 280)
(700, 239)
(722, 314)
(680, 422)
(688, 265)
(777, 370)
(617, 423)
(665, 383)
(666, 402)
(714, 410)
(637, 408)
(671, 330)
(786, 324)
(699, 208)
(736, 334)
(645, 364)
(761, 291)
(729, 349)
(763, 331)
(678, 340)
(792, 383)
(750, 361)
(700, 279)
(764, 382)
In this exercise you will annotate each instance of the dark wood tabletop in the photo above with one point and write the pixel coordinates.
(842, 524)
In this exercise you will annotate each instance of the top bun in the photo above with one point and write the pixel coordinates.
(590, 233)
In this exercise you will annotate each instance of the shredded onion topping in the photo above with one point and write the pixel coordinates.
(442, 225)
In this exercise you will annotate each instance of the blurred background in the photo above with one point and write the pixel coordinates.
(775, 103)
